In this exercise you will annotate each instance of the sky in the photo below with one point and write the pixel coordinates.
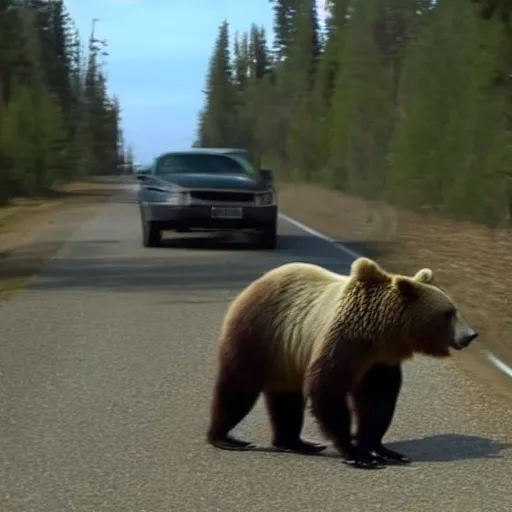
(159, 52)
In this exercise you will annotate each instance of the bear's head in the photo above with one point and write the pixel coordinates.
(417, 311)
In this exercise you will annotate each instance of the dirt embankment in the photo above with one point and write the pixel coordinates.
(472, 262)
(32, 230)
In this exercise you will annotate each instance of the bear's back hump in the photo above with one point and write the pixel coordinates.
(308, 300)
(307, 303)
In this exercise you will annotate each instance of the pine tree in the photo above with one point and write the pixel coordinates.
(300, 73)
(57, 121)
(219, 115)
(284, 20)
(404, 100)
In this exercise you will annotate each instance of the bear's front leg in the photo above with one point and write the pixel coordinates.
(332, 415)
(375, 402)
(328, 383)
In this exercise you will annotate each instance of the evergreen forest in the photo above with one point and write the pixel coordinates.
(57, 120)
(405, 101)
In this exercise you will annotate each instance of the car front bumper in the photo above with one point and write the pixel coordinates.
(200, 216)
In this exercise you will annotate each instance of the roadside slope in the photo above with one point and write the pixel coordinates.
(473, 262)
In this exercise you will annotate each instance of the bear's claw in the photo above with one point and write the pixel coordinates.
(381, 453)
(363, 460)
(387, 456)
(364, 463)
(232, 444)
(302, 447)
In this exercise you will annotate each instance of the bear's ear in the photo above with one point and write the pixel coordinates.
(407, 287)
(366, 270)
(425, 275)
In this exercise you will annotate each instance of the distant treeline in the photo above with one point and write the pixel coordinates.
(408, 101)
(57, 121)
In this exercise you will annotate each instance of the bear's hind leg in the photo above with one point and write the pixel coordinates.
(232, 401)
(286, 411)
(375, 403)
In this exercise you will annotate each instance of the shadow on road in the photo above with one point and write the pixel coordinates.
(100, 265)
(296, 246)
(438, 448)
(450, 447)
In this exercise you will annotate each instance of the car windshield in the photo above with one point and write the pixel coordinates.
(202, 164)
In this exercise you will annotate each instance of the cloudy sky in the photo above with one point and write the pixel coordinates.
(158, 59)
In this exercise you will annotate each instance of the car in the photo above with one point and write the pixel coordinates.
(207, 189)
(140, 170)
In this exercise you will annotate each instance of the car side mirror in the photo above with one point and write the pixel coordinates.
(267, 175)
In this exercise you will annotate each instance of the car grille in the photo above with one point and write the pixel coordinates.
(219, 196)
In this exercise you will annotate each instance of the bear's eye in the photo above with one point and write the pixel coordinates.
(449, 314)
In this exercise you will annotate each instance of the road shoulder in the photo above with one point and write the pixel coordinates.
(32, 231)
(403, 242)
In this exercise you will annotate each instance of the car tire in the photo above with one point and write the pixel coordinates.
(268, 237)
(151, 234)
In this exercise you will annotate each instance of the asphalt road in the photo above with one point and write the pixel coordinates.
(107, 361)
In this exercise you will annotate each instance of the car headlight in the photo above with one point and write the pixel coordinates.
(265, 199)
(171, 196)
(178, 198)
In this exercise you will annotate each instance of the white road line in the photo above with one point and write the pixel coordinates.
(498, 363)
(505, 368)
(313, 232)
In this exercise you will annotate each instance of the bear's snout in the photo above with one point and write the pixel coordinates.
(464, 337)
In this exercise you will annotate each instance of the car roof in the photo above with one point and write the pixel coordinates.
(216, 150)
(207, 151)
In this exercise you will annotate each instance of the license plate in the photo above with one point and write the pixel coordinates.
(226, 213)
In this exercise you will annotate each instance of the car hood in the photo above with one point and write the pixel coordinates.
(223, 181)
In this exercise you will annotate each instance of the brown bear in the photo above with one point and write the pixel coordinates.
(302, 332)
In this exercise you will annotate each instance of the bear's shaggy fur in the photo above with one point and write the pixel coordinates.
(302, 332)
